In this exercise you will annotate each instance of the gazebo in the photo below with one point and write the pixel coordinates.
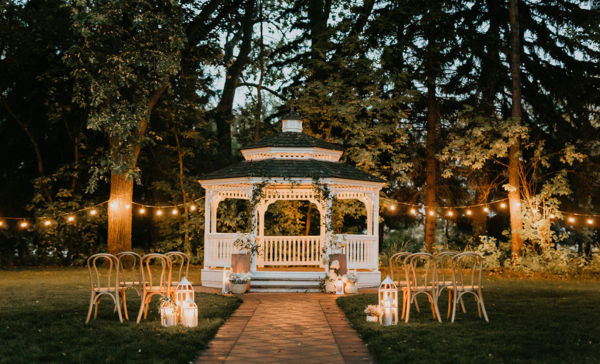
(291, 165)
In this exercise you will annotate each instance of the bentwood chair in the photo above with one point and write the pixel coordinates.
(131, 273)
(181, 259)
(421, 279)
(397, 271)
(467, 269)
(155, 281)
(104, 280)
(443, 261)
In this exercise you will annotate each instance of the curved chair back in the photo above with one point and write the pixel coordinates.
(181, 259)
(467, 269)
(397, 265)
(160, 279)
(104, 274)
(131, 273)
(420, 272)
(443, 261)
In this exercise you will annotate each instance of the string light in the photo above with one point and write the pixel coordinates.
(71, 218)
(159, 212)
(1, 223)
(127, 206)
(486, 209)
(193, 207)
(590, 221)
(142, 211)
(431, 213)
(174, 211)
(47, 223)
(413, 211)
(24, 224)
(450, 213)
(392, 207)
(552, 216)
(503, 205)
(93, 212)
(469, 212)
(571, 219)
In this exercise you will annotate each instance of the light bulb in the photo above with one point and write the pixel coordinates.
(127, 206)
(174, 211)
(193, 207)
(142, 211)
(24, 224)
(503, 205)
(93, 212)
(71, 218)
(431, 213)
(47, 223)
(469, 212)
(552, 216)
(486, 209)
(413, 211)
(590, 221)
(1, 223)
(571, 219)
(159, 212)
(450, 213)
(392, 207)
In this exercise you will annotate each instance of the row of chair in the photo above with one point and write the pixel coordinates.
(113, 275)
(426, 274)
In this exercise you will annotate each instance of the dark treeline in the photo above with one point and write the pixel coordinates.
(454, 103)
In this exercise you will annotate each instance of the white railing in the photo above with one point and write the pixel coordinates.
(290, 250)
(361, 251)
(218, 249)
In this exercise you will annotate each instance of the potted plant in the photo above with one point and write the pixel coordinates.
(351, 280)
(372, 312)
(239, 282)
(329, 283)
(246, 243)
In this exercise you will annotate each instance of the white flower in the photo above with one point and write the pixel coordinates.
(325, 259)
(335, 265)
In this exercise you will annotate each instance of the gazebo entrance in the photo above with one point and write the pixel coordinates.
(291, 166)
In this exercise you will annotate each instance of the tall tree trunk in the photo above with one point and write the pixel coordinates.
(308, 218)
(119, 216)
(260, 80)
(431, 161)
(479, 215)
(186, 242)
(514, 152)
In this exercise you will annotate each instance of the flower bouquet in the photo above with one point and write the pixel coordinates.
(246, 243)
(351, 279)
(239, 282)
(372, 312)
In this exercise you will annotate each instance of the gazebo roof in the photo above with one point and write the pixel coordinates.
(292, 168)
(292, 140)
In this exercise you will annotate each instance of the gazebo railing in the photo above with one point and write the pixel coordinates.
(360, 251)
(218, 249)
(290, 250)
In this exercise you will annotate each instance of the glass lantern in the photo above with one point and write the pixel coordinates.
(189, 313)
(388, 302)
(226, 285)
(183, 292)
(168, 314)
(339, 285)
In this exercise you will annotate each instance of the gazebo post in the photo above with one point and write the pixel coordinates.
(207, 217)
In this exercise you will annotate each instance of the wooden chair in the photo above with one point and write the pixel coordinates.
(151, 286)
(467, 269)
(443, 261)
(397, 270)
(131, 273)
(183, 260)
(420, 283)
(107, 271)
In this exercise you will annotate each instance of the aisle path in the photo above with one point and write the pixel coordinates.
(286, 328)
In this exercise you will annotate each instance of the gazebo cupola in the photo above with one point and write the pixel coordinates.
(291, 163)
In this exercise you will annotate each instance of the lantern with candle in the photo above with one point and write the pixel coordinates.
(388, 302)
(168, 313)
(183, 292)
(189, 313)
(226, 283)
(339, 285)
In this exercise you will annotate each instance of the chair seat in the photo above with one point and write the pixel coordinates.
(418, 288)
(174, 284)
(400, 283)
(466, 288)
(106, 289)
(130, 284)
(155, 289)
(444, 283)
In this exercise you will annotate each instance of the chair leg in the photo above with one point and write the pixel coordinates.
(449, 303)
(478, 305)
(483, 306)
(98, 298)
(91, 308)
(124, 300)
(456, 298)
(437, 311)
(118, 304)
(408, 299)
(143, 302)
(462, 305)
(403, 304)
(417, 304)
(148, 299)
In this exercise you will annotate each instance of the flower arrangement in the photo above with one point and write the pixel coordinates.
(329, 277)
(248, 242)
(351, 277)
(334, 242)
(372, 311)
(335, 265)
(240, 278)
(325, 259)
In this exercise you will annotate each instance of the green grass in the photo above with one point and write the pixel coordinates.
(42, 315)
(531, 321)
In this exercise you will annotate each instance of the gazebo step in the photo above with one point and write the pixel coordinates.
(262, 279)
(284, 290)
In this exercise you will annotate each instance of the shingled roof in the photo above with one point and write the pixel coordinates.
(292, 139)
(291, 168)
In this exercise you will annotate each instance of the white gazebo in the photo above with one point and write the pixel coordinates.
(291, 165)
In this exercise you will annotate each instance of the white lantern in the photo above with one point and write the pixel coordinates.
(168, 314)
(226, 274)
(189, 313)
(339, 285)
(183, 292)
(388, 302)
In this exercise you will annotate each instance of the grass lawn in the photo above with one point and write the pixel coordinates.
(532, 320)
(42, 315)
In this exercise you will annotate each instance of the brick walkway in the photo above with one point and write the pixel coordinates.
(286, 328)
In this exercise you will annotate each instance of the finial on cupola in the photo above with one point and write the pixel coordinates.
(291, 122)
